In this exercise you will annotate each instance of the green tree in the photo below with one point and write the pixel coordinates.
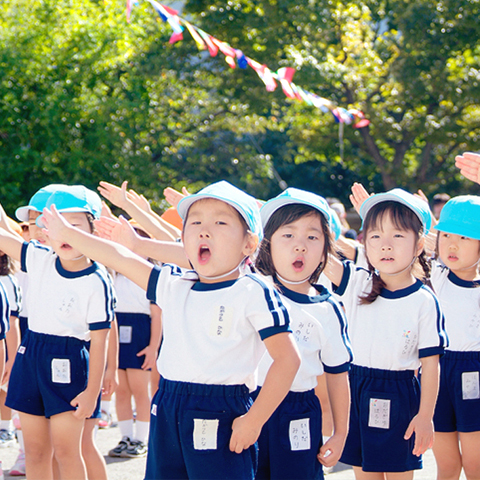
(412, 67)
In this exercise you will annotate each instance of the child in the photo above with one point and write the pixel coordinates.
(296, 244)
(139, 326)
(456, 282)
(396, 326)
(202, 425)
(4, 325)
(53, 385)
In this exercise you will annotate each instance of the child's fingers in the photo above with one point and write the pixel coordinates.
(409, 431)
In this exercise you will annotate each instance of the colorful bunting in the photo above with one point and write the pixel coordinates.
(235, 57)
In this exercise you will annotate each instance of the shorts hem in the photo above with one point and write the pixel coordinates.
(391, 468)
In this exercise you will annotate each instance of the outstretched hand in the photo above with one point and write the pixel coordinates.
(469, 165)
(55, 224)
(358, 196)
(114, 194)
(117, 230)
(173, 196)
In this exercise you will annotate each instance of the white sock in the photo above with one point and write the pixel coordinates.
(6, 425)
(141, 431)
(106, 406)
(20, 441)
(126, 428)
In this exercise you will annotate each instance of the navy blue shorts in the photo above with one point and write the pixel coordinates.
(23, 323)
(383, 404)
(48, 373)
(190, 431)
(133, 335)
(289, 442)
(458, 403)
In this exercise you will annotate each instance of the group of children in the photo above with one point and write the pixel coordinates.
(257, 313)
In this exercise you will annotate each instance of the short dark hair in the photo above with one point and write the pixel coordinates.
(284, 216)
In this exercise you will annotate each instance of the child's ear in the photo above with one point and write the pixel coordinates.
(420, 245)
(251, 244)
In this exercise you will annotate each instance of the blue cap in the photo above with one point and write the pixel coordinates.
(418, 206)
(296, 196)
(461, 216)
(38, 201)
(73, 198)
(245, 204)
(336, 226)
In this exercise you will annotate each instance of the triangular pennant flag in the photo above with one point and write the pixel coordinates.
(286, 73)
(193, 32)
(241, 60)
(129, 9)
(224, 47)
(212, 48)
(231, 61)
(287, 89)
(176, 37)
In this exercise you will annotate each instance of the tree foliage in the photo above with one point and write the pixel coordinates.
(84, 96)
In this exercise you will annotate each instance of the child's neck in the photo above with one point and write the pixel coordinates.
(469, 275)
(398, 282)
(305, 288)
(76, 264)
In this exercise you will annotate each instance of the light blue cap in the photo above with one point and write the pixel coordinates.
(336, 225)
(73, 198)
(245, 204)
(418, 206)
(461, 216)
(292, 196)
(38, 201)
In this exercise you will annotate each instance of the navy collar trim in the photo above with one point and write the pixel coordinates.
(301, 297)
(203, 287)
(403, 292)
(68, 274)
(463, 283)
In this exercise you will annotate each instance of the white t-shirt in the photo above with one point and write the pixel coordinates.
(22, 280)
(212, 332)
(14, 294)
(397, 329)
(319, 327)
(4, 313)
(130, 297)
(460, 301)
(64, 303)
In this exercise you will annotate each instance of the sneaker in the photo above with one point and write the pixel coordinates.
(136, 449)
(105, 420)
(18, 470)
(120, 448)
(7, 438)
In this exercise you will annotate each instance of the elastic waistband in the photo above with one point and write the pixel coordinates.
(57, 339)
(294, 397)
(450, 355)
(202, 389)
(132, 316)
(379, 373)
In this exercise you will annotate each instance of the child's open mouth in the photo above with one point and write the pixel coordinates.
(453, 258)
(389, 259)
(204, 254)
(65, 246)
(298, 265)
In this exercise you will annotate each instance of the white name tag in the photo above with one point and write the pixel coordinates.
(222, 320)
(154, 410)
(299, 433)
(61, 370)
(379, 413)
(21, 349)
(125, 334)
(470, 386)
(205, 434)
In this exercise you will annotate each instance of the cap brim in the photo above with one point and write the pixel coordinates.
(273, 205)
(22, 212)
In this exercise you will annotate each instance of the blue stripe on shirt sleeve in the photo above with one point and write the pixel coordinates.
(152, 284)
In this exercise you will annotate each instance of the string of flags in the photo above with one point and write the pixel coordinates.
(235, 57)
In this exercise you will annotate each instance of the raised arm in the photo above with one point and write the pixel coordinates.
(122, 232)
(111, 254)
(119, 197)
(469, 165)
